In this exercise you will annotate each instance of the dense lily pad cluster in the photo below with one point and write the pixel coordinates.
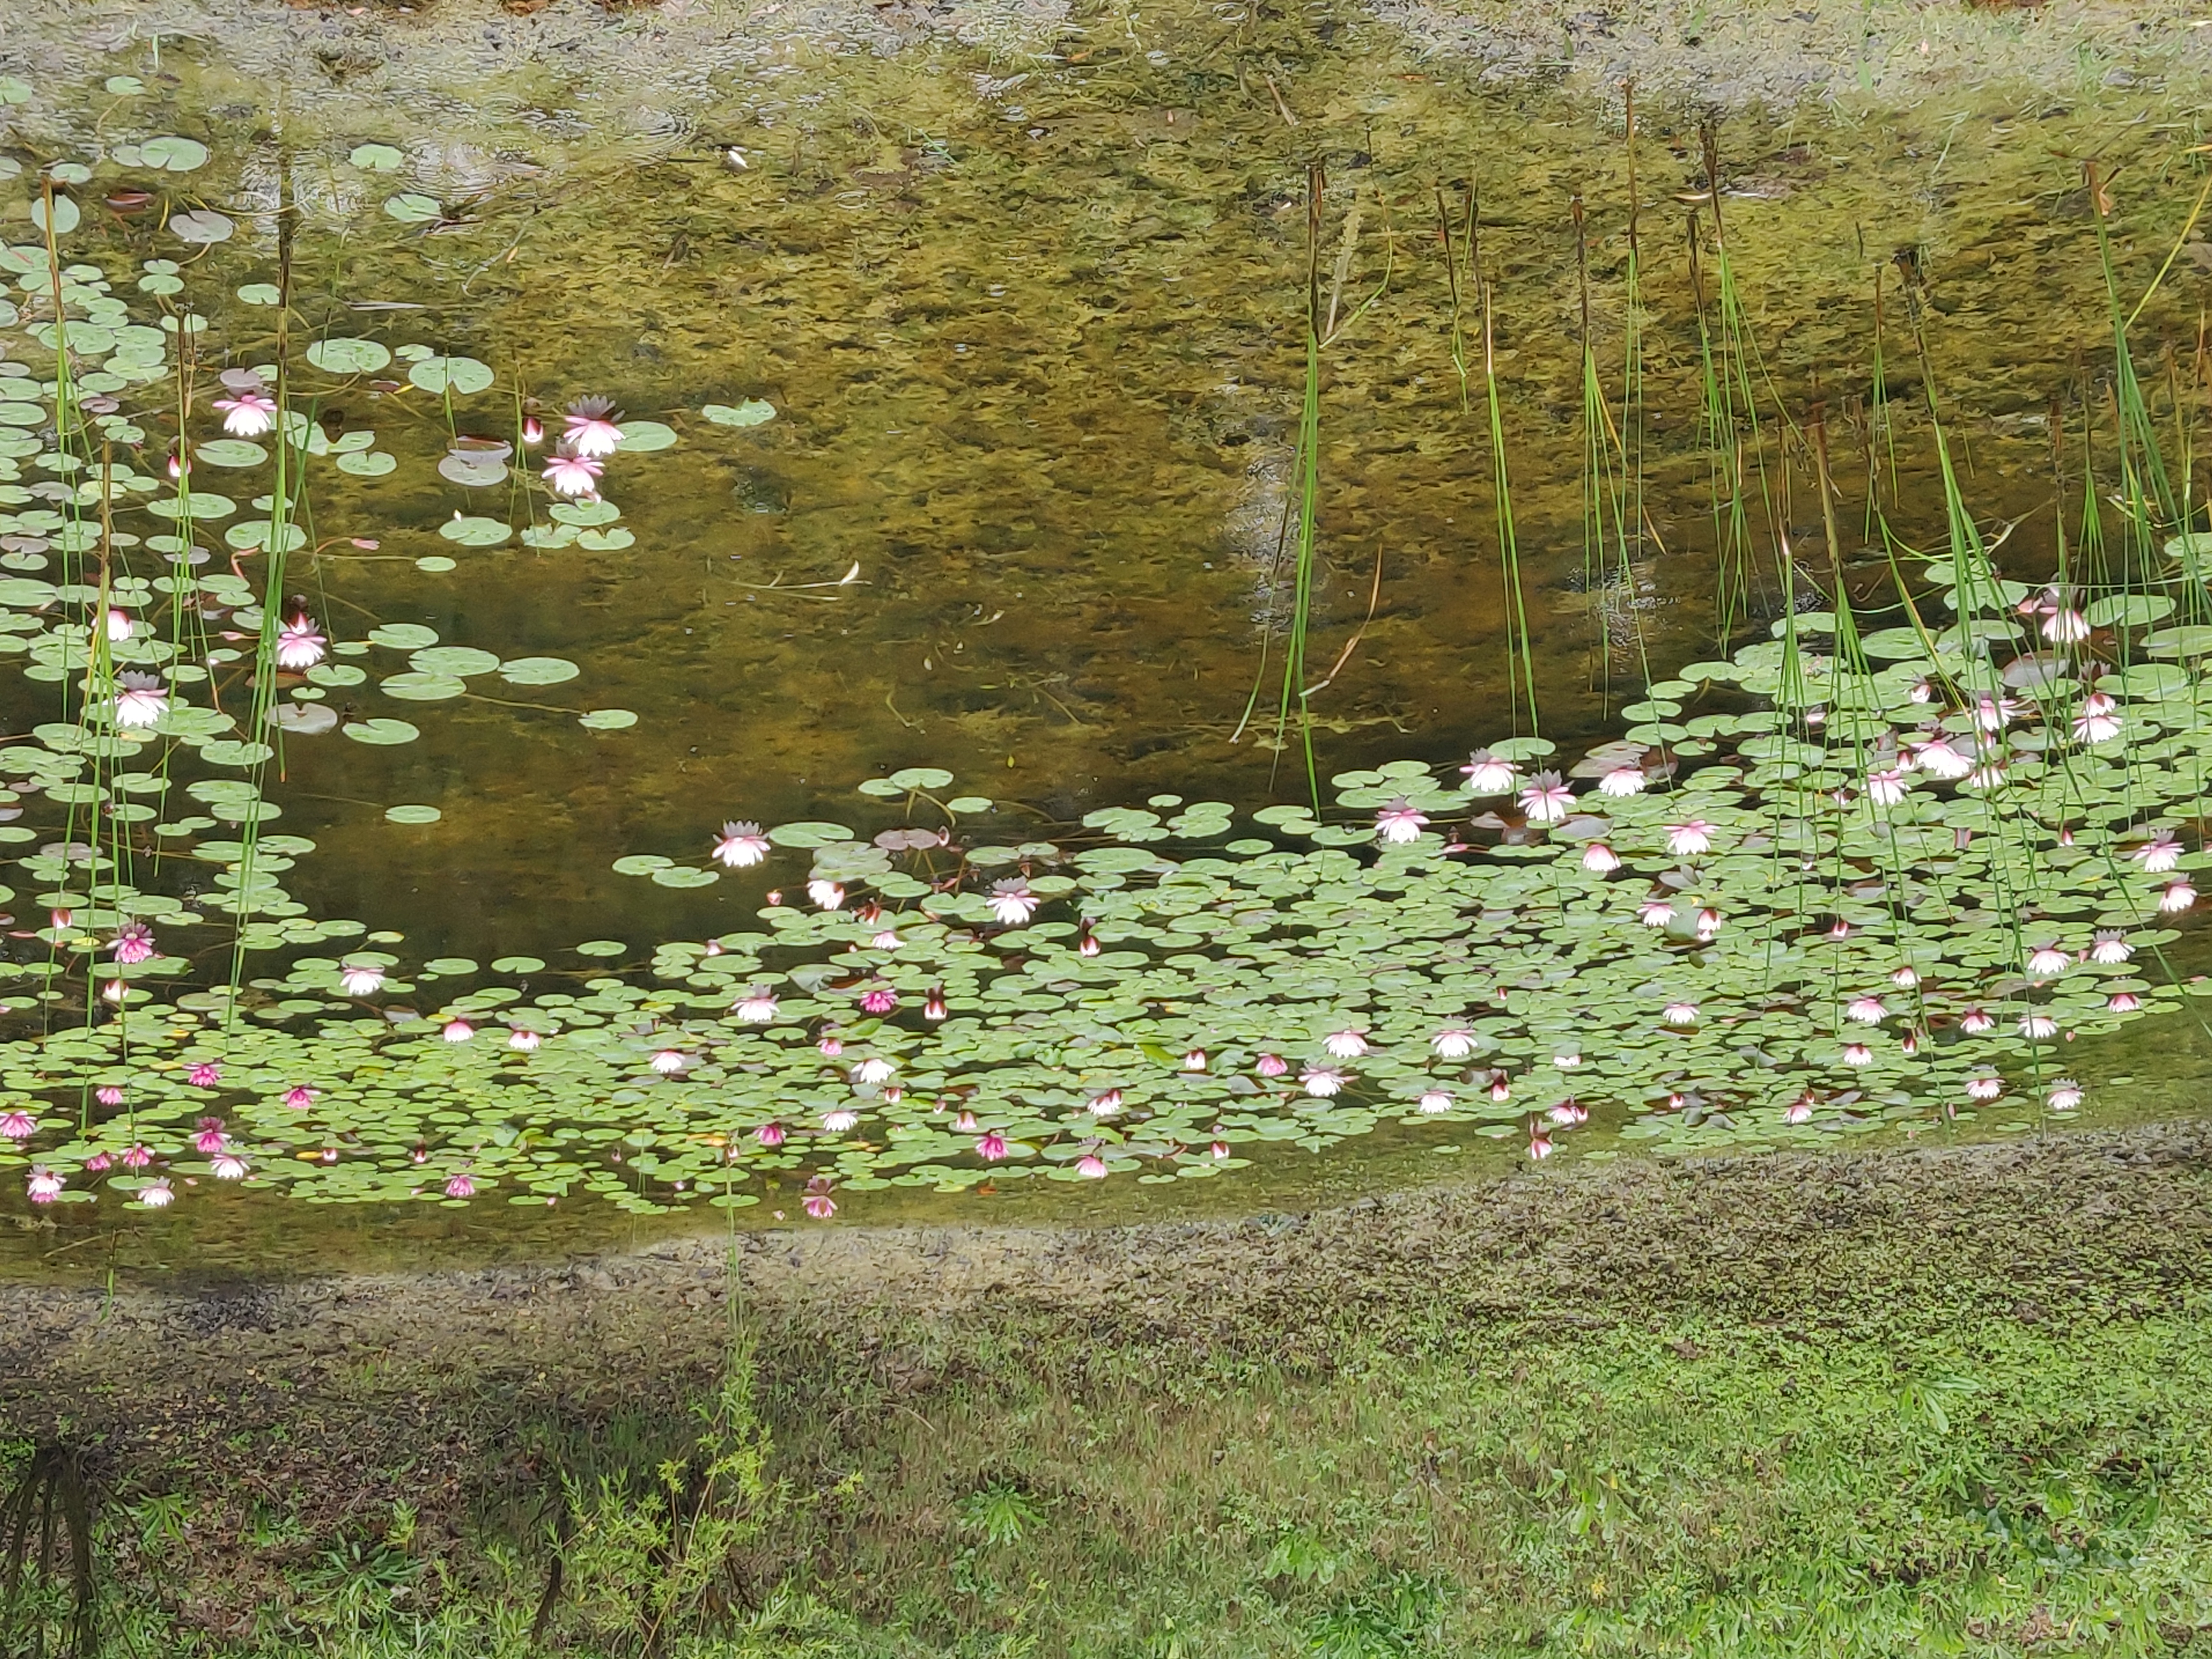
(1786, 919)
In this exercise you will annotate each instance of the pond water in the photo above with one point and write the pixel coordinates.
(950, 517)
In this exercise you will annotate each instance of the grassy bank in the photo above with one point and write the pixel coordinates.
(1911, 1403)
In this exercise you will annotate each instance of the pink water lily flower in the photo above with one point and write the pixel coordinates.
(1600, 859)
(1322, 1082)
(2037, 1026)
(1547, 799)
(1689, 838)
(825, 895)
(1866, 1011)
(1091, 1167)
(1858, 1053)
(137, 1155)
(841, 1121)
(1623, 781)
(461, 1186)
(2123, 1002)
(1680, 1013)
(1655, 913)
(2065, 1095)
(2097, 720)
(819, 1204)
(1799, 1110)
(1486, 774)
(1399, 822)
(208, 1139)
(756, 1007)
(1108, 1104)
(2157, 855)
(1905, 978)
(669, 1061)
(874, 1069)
(228, 1166)
(1453, 1043)
(141, 699)
(1346, 1044)
(1271, 1065)
(157, 1194)
(991, 1147)
(300, 643)
(248, 415)
(360, 979)
(457, 1030)
(1011, 903)
(591, 428)
(1436, 1100)
(133, 944)
(572, 475)
(1539, 1144)
(770, 1135)
(108, 1094)
(2178, 896)
(1984, 1088)
(522, 1038)
(741, 845)
(878, 1000)
(44, 1186)
(299, 1097)
(2048, 959)
(1977, 1021)
(204, 1074)
(1886, 788)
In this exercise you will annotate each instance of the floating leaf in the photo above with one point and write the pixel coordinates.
(423, 688)
(411, 208)
(65, 218)
(264, 294)
(457, 660)
(640, 436)
(367, 463)
(203, 226)
(377, 158)
(403, 636)
(471, 531)
(679, 877)
(537, 670)
(413, 815)
(439, 374)
(171, 155)
(348, 355)
(602, 947)
(230, 451)
(607, 719)
(753, 412)
(382, 731)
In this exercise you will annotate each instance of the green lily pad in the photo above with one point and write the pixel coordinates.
(474, 532)
(607, 719)
(347, 355)
(172, 154)
(754, 412)
(413, 815)
(439, 375)
(381, 731)
(537, 670)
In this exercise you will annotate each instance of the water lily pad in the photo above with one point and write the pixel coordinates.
(439, 374)
(65, 218)
(172, 155)
(367, 463)
(537, 670)
(412, 207)
(641, 863)
(348, 356)
(404, 636)
(754, 412)
(382, 731)
(202, 226)
(413, 815)
(607, 719)
(473, 532)
(230, 451)
(602, 947)
(638, 436)
(423, 688)
(680, 877)
(261, 294)
(460, 660)
(306, 719)
(472, 471)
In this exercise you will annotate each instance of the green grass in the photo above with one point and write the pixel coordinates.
(1691, 1482)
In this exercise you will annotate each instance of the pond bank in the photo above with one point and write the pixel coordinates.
(1729, 1338)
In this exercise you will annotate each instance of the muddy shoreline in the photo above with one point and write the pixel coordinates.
(1842, 1243)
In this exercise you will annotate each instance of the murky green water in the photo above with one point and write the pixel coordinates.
(1033, 337)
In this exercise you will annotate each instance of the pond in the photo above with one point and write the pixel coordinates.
(1090, 620)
